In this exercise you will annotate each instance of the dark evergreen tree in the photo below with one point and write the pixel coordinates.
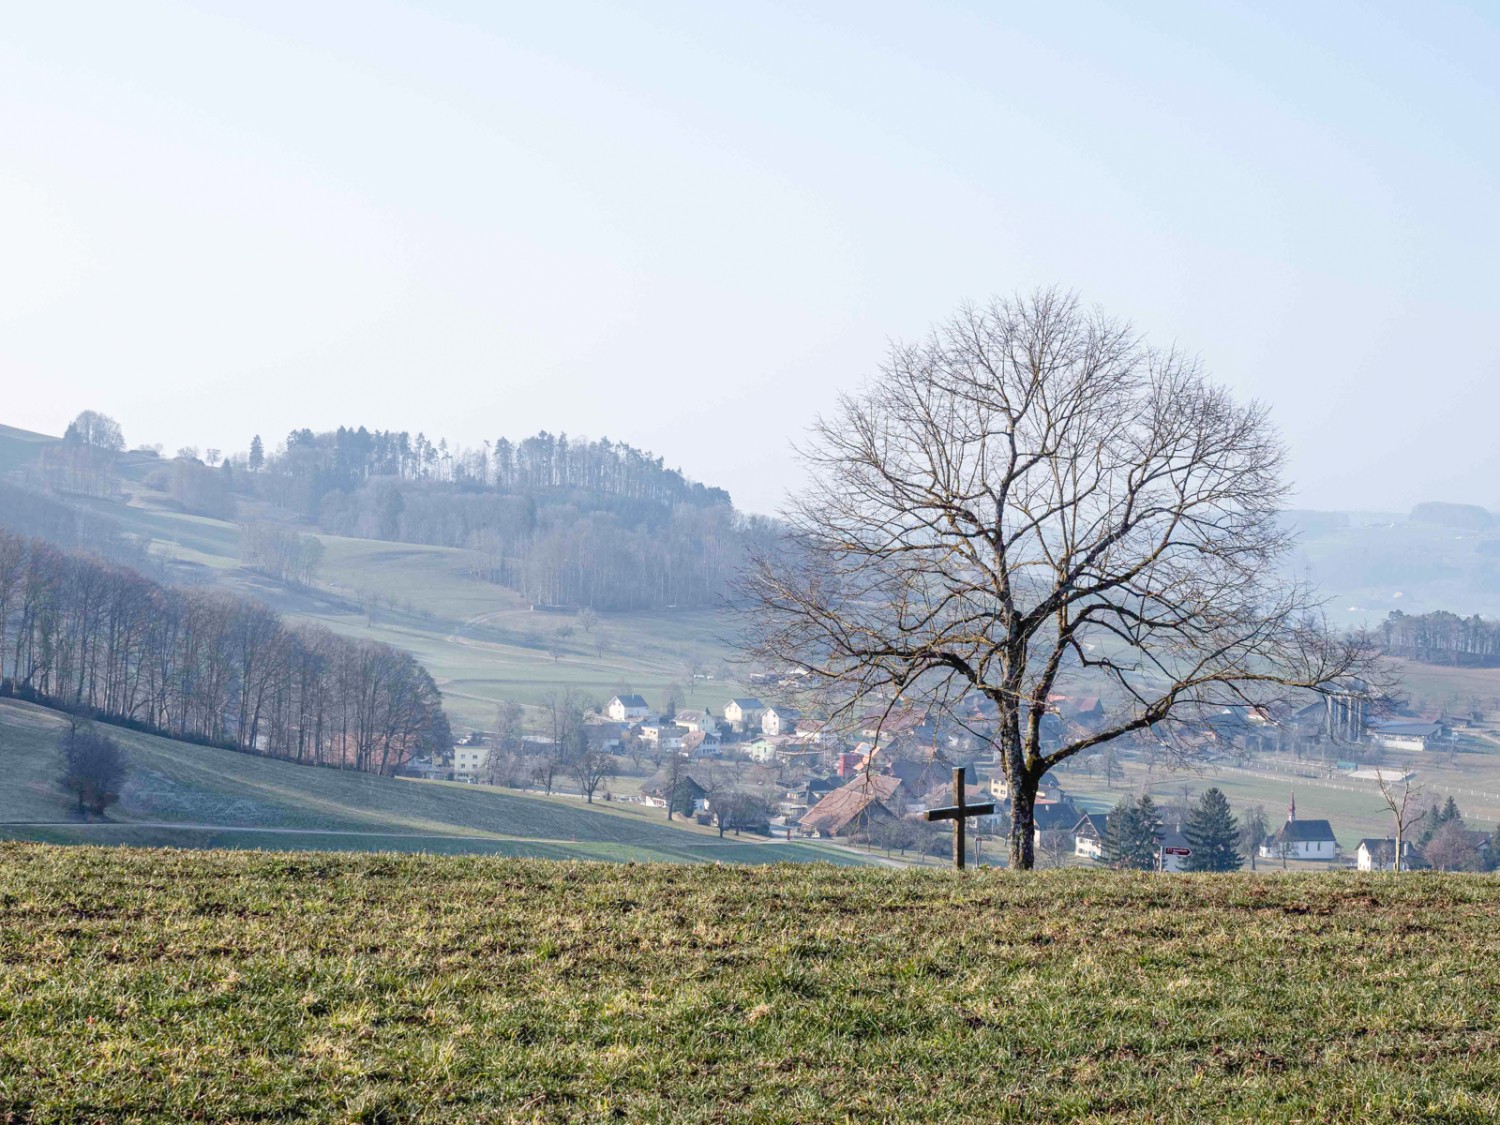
(1133, 835)
(1212, 833)
(257, 454)
(1436, 818)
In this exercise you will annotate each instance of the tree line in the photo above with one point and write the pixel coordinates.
(563, 522)
(102, 640)
(1441, 637)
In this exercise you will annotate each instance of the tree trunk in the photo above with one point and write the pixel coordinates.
(1022, 823)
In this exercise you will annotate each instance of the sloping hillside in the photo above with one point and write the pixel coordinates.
(481, 642)
(194, 796)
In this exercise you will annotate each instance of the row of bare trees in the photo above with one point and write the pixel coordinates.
(96, 638)
(1442, 638)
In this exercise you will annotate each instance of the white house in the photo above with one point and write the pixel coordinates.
(469, 762)
(699, 721)
(627, 709)
(1405, 734)
(763, 749)
(744, 712)
(1088, 835)
(667, 736)
(1380, 855)
(779, 720)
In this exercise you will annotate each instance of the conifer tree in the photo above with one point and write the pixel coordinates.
(1212, 833)
(1133, 835)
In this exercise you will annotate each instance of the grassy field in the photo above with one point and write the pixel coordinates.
(195, 796)
(151, 986)
(481, 642)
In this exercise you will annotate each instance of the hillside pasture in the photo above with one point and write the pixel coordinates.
(482, 643)
(185, 795)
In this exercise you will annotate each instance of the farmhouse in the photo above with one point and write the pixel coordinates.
(656, 790)
(628, 709)
(852, 807)
(1380, 855)
(1088, 835)
(743, 713)
(779, 720)
(700, 721)
(1053, 816)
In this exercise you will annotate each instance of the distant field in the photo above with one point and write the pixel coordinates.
(481, 642)
(1354, 807)
(175, 787)
(238, 987)
(19, 448)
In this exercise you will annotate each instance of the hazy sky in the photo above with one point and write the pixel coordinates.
(688, 226)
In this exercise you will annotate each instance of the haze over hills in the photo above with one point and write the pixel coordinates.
(1438, 556)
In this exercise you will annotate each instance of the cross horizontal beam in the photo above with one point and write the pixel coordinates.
(955, 811)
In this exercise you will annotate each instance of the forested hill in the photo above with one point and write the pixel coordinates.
(562, 521)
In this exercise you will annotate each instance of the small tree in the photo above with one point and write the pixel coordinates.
(1405, 807)
(1254, 828)
(93, 768)
(257, 458)
(1054, 847)
(1212, 834)
(1133, 835)
(590, 765)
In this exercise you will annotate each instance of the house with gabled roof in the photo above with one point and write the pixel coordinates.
(743, 712)
(628, 709)
(853, 807)
(1375, 854)
(695, 720)
(779, 720)
(1088, 835)
(1301, 839)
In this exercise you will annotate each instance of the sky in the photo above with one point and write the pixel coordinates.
(688, 227)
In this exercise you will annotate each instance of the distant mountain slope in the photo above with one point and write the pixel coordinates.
(19, 448)
(1369, 564)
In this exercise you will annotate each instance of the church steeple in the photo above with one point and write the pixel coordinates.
(1291, 810)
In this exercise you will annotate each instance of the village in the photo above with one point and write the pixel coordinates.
(755, 768)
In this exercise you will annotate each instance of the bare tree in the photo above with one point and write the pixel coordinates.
(1405, 804)
(502, 764)
(1452, 848)
(1254, 828)
(1056, 846)
(590, 765)
(1033, 496)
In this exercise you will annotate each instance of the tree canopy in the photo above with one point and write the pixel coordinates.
(1030, 499)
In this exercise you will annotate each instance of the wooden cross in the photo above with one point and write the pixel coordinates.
(957, 813)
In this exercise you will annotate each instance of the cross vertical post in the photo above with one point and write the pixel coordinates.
(958, 812)
(959, 848)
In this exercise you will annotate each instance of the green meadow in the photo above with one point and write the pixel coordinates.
(143, 985)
